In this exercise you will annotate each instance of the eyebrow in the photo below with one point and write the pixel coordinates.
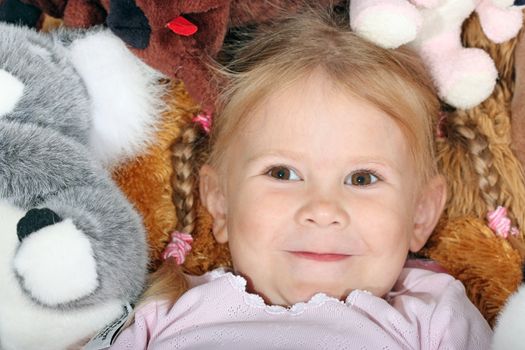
(374, 160)
(380, 161)
(276, 153)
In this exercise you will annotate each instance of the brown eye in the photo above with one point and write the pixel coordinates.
(363, 178)
(283, 173)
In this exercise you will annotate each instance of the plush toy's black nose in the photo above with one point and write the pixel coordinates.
(15, 11)
(129, 23)
(34, 220)
(519, 2)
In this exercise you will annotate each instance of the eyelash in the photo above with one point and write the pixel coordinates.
(273, 167)
(359, 171)
(365, 171)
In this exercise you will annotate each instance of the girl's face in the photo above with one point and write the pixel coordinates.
(319, 194)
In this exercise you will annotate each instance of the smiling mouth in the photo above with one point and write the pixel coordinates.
(320, 256)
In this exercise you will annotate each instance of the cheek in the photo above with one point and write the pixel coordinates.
(386, 223)
(256, 216)
(258, 198)
(255, 229)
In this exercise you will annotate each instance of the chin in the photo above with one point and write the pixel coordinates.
(305, 291)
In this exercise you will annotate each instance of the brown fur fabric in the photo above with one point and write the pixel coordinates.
(486, 264)
(518, 102)
(146, 179)
(476, 156)
(482, 172)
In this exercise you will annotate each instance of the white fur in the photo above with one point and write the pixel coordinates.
(387, 23)
(509, 332)
(57, 255)
(395, 30)
(127, 99)
(40, 51)
(11, 90)
(503, 3)
(464, 77)
(467, 92)
(53, 329)
(437, 20)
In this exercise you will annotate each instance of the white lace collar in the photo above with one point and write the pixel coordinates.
(256, 301)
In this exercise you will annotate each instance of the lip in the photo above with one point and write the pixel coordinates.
(326, 257)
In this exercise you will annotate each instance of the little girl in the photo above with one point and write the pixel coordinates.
(321, 179)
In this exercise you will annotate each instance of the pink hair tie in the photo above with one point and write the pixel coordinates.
(204, 119)
(179, 246)
(441, 125)
(500, 223)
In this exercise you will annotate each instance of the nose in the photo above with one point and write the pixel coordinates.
(323, 213)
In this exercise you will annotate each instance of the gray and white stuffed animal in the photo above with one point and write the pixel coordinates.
(72, 248)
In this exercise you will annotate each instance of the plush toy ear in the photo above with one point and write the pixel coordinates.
(126, 96)
(15, 11)
(129, 23)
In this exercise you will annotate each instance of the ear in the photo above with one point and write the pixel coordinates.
(212, 197)
(428, 211)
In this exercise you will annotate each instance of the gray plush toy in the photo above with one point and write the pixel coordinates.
(72, 248)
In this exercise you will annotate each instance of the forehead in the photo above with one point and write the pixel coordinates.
(316, 116)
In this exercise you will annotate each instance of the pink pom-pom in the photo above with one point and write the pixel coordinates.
(179, 247)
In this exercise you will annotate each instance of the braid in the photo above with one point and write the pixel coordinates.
(483, 160)
(168, 282)
(185, 156)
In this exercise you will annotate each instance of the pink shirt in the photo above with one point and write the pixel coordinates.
(425, 310)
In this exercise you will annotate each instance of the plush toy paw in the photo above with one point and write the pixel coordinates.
(499, 21)
(55, 262)
(466, 79)
(389, 24)
(129, 24)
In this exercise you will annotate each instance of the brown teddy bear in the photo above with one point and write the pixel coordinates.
(175, 37)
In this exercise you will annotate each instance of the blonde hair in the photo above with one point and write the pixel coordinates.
(393, 80)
